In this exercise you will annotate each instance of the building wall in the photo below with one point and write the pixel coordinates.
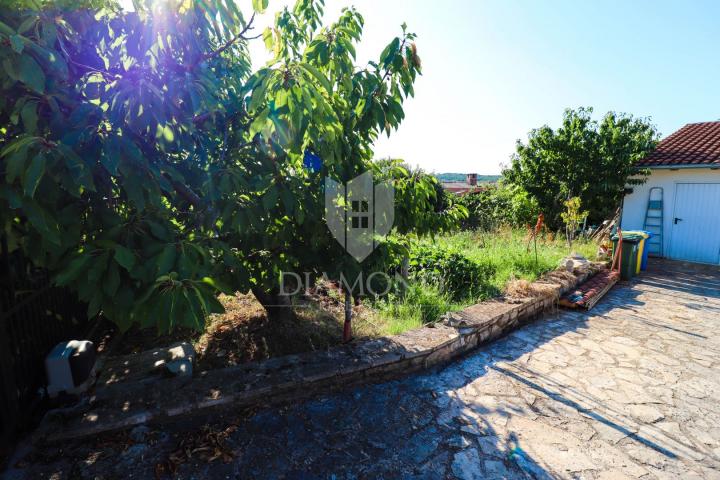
(636, 203)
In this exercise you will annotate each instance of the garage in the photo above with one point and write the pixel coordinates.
(680, 202)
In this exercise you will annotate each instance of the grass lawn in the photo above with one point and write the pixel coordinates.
(505, 249)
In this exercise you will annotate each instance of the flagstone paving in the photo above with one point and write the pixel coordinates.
(630, 389)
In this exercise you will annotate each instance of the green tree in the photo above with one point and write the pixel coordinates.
(148, 167)
(573, 218)
(495, 205)
(585, 158)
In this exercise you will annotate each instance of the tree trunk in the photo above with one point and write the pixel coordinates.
(278, 307)
(347, 327)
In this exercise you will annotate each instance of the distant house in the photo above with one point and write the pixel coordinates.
(680, 202)
(460, 188)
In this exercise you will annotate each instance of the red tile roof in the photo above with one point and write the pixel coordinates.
(693, 144)
(459, 187)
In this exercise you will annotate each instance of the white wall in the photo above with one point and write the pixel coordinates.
(636, 202)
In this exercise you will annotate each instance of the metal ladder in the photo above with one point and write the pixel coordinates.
(654, 222)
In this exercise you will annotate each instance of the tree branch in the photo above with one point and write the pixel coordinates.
(231, 42)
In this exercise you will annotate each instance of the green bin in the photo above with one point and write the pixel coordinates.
(630, 250)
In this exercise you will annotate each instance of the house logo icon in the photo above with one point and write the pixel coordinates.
(359, 214)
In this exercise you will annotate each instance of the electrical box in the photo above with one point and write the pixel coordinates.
(69, 366)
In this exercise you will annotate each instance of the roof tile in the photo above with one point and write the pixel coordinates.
(693, 144)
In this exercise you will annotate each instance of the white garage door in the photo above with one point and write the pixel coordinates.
(695, 235)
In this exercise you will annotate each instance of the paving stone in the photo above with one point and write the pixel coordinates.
(646, 413)
(466, 465)
(495, 469)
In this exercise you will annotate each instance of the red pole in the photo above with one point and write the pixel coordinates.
(618, 252)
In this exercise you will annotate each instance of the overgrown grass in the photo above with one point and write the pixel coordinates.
(243, 333)
(506, 250)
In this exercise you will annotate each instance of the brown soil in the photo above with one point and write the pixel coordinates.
(244, 334)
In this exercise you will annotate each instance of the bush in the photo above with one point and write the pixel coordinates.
(451, 272)
(498, 205)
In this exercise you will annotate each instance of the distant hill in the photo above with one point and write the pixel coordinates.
(460, 177)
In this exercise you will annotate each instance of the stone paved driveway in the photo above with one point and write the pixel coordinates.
(629, 390)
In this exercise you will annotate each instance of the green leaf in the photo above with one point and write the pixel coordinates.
(194, 316)
(15, 164)
(72, 271)
(80, 172)
(259, 5)
(258, 95)
(124, 257)
(269, 200)
(34, 174)
(27, 23)
(209, 302)
(260, 122)
(160, 311)
(218, 285)
(319, 76)
(95, 304)
(112, 280)
(31, 74)
(30, 117)
(17, 43)
(22, 141)
(41, 220)
(134, 191)
(388, 54)
(166, 259)
(111, 155)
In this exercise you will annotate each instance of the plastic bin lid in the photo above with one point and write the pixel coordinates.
(632, 233)
(630, 237)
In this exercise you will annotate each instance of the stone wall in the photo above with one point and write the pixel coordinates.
(282, 379)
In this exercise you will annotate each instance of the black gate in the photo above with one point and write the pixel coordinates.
(34, 317)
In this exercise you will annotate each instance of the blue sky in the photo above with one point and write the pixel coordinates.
(493, 70)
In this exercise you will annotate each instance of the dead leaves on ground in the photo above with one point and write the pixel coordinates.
(207, 445)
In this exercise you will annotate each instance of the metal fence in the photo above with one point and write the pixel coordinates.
(34, 316)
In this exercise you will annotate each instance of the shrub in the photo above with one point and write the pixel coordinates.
(498, 205)
(451, 272)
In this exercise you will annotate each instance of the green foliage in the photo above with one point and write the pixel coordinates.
(450, 271)
(502, 251)
(422, 206)
(498, 205)
(148, 167)
(506, 251)
(573, 217)
(585, 158)
(418, 305)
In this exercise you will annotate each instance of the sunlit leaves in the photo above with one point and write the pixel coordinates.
(148, 168)
(260, 5)
(585, 158)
